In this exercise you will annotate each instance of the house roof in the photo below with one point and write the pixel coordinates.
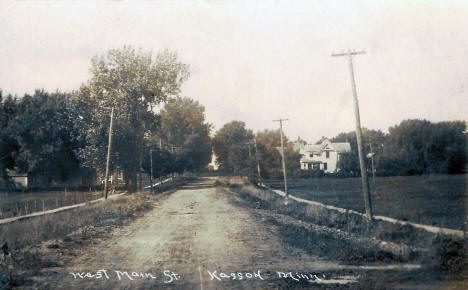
(326, 145)
(342, 147)
(312, 148)
(13, 173)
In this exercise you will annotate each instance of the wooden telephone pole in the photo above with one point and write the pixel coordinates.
(109, 146)
(151, 171)
(282, 156)
(250, 151)
(365, 182)
(256, 156)
(372, 162)
(258, 164)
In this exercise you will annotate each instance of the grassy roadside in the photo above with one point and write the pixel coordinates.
(18, 203)
(26, 239)
(435, 200)
(348, 238)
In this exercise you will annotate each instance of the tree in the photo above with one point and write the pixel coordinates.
(269, 148)
(184, 127)
(419, 147)
(43, 136)
(229, 145)
(134, 83)
(8, 145)
(163, 162)
(349, 161)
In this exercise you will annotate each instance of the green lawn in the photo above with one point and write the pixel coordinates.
(439, 200)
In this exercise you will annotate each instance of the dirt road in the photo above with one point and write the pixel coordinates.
(187, 241)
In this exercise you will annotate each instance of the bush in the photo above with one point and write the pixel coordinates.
(448, 255)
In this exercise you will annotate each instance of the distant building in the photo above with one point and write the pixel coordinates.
(31, 181)
(323, 156)
(19, 179)
(213, 164)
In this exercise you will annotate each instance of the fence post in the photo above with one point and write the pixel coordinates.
(43, 206)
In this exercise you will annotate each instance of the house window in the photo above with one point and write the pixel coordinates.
(325, 166)
(311, 155)
(327, 154)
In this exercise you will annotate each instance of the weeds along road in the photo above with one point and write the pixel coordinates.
(186, 241)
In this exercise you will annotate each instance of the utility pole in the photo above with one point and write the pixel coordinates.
(151, 170)
(372, 162)
(282, 156)
(365, 182)
(256, 158)
(108, 153)
(250, 152)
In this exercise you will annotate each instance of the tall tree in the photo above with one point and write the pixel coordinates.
(46, 139)
(269, 150)
(8, 145)
(229, 145)
(419, 146)
(184, 127)
(349, 161)
(134, 83)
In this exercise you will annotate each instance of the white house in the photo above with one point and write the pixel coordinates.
(19, 179)
(324, 156)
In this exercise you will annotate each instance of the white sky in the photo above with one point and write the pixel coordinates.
(257, 61)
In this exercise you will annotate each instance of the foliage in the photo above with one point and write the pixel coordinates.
(133, 83)
(229, 145)
(269, 151)
(184, 127)
(8, 145)
(163, 162)
(422, 147)
(349, 161)
(410, 148)
(39, 137)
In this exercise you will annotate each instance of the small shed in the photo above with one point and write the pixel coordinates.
(19, 179)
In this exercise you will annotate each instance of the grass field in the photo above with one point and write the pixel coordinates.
(17, 203)
(439, 200)
(22, 203)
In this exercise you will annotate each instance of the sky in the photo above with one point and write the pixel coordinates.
(257, 61)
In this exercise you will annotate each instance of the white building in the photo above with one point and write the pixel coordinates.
(324, 156)
(19, 179)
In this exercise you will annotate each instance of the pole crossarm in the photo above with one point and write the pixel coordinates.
(349, 53)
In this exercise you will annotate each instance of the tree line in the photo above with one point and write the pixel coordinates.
(56, 136)
(234, 147)
(413, 147)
